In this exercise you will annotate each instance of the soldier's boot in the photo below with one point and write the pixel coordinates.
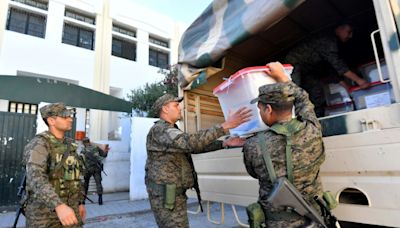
(100, 199)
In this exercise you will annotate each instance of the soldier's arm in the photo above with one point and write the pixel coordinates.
(329, 51)
(102, 153)
(201, 141)
(37, 178)
(303, 105)
(249, 152)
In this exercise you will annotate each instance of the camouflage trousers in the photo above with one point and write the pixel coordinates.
(38, 215)
(96, 173)
(166, 218)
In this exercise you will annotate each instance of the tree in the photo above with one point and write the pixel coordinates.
(143, 98)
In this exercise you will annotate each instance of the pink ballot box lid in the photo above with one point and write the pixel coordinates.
(239, 90)
(246, 71)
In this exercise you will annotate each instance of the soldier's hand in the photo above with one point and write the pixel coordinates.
(242, 115)
(363, 83)
(66, 215)
(233, 142)
(277, 72)
(82, 212)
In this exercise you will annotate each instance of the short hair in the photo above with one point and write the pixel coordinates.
(281, 107)
(344, 22)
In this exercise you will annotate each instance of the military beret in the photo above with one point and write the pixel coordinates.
(56, 109)
(86, 139)
(274, 94)
(163, 100)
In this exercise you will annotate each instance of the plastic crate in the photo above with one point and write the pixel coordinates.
(336, 94)
(379, 94)
(370, 71)
(339, 108)
(239, 90)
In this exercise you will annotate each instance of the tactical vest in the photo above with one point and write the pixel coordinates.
(64, 170)
(288, 129)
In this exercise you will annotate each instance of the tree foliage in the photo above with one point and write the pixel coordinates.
(143, 98)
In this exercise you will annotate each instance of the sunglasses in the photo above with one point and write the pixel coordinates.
(67, 113)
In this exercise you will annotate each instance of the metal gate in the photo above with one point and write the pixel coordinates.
(16, 130)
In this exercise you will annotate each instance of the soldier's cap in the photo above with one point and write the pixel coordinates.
(274, 94)
(86, 139)
(56, 109)
(164, 100)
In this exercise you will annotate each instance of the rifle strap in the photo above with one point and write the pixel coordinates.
(266, 157)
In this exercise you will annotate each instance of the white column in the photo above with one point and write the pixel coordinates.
(142, 47)
(54, 24)
(101, 81)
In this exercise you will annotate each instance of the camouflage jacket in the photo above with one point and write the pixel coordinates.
(168, 148)
(93, 157)
(311, 54)
(307, 153)
(41, 155)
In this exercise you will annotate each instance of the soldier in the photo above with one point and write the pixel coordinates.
(309, 56)
(94, 156)
(53, 169)
(169, 167)
(275, 103)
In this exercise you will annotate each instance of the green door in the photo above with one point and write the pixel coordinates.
(16, 130)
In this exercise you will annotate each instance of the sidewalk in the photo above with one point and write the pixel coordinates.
(114, 204)
(118, 211)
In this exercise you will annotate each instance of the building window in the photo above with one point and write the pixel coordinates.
(124, 31)
(124, 43)
(26, 23)
(80, 17)
(158, 58)
(124, 49)
(158, 42)
(35, 3)
(78, 36)
(19, 107)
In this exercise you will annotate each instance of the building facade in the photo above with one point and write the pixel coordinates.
(108, 46)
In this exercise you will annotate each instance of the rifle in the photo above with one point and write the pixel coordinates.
(284, 194)
(86, 197)
(330, 219)
(101, 167)
(21, 196)
(195, 181)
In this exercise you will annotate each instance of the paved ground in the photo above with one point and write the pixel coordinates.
(118, 211)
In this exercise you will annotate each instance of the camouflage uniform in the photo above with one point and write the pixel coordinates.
(307, 153)
(48, 182)
(308, 59)
(93, 164)
(168, 149)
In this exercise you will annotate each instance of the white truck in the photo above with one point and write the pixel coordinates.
(362, 166)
